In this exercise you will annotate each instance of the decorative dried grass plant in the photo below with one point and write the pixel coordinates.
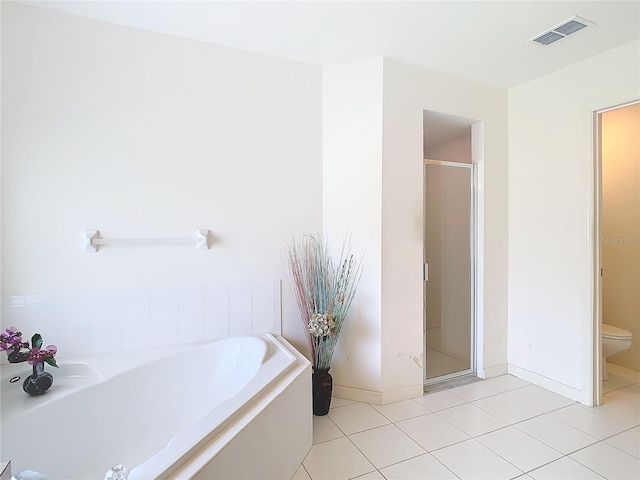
(324, 290)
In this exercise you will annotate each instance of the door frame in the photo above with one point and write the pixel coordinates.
(473, 245)
(594, 386)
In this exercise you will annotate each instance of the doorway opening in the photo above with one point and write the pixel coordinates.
(450, 246)
(616, 343)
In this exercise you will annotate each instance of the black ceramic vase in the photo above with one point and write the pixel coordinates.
(322, 387)
(39, 382)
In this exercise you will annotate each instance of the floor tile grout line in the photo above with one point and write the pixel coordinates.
(505, 392)
(616, 434)
(522, 472)
(475, 437)
(362, 453)
(597, 440)
(586, 466)
(591, 435)
(515, 424)
(452, 406)
(366, 429)
(430, 452)
(406, 435)
(518, 421)
(458, 428)
(425, 450)
(623, 387)
(356, 447)
(613, 446)
(402, 420)
(438, 460)
(401, 431)
(422, 405)
(487, 386)
(397, 463)
(472, 437)
(557, 459)
(475, 400)
(336, 425)
(551, 446)
(506, 460)
(450, 445)
(346, 405)
(416, 456)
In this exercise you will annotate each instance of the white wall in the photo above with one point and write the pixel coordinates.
(352, 203)
(139, 134)
(458, 150)
(551, 226)
(372, 183)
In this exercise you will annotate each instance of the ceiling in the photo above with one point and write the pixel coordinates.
(484, 41)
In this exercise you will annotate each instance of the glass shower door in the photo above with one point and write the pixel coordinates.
(449, 269)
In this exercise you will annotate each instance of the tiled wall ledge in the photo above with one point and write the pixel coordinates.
(110, 320)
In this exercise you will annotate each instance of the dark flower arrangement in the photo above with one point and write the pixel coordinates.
(19, 351)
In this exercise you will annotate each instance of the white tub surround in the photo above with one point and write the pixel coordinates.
(108, 320)
(156, 410)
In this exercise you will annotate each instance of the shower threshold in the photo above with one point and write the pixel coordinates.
(446, 384)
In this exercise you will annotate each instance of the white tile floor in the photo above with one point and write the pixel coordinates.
(499, 428)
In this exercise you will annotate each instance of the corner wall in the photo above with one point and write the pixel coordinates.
(143, 135)
(373, 186)
(352, 203)
(551, 217)
(409, 90)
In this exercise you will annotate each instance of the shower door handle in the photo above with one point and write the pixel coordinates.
(425, 272)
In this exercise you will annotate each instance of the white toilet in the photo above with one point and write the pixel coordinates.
(614, 340)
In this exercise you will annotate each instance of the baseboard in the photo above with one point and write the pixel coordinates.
(495, 371)
(406, 393)
(377, 398)
(547, 383)
(357, 394)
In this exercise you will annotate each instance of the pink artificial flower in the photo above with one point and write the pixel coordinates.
(34, 356)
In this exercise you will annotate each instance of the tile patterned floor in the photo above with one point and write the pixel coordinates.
(501, 428)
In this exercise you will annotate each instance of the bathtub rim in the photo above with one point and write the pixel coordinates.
(181, 448)
(132, 359)
(190, 469)
(106, 365)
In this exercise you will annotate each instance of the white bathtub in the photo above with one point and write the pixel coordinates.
(164, 412)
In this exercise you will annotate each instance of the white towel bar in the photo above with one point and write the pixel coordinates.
(92, 240)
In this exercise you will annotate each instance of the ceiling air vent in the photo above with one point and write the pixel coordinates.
(563, 30)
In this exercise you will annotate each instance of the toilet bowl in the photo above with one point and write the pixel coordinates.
(614, 340)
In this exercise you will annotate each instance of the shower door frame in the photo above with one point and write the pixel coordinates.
(473, 253)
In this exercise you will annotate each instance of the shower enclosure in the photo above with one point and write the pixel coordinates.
(449, 256)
